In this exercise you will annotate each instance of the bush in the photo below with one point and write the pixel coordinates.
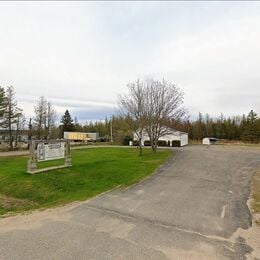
(102, 139)
(176, 143)
(162, 143)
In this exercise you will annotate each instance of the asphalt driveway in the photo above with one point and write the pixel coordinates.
(195, 207)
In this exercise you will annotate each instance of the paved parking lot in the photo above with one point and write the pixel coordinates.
(195, 207)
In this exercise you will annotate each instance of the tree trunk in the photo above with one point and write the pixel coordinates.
(10, 132)
(10, 139)
(16, 137)
(154, 146)
(17, 131)
(140, 147)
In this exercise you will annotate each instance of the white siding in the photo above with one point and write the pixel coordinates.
(184, 139)
(175, 136)
(205, 141)
(93, 136)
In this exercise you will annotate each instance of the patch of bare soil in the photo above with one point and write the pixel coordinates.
(8, 203)
(255, 204)
(252, 234)
(251, 237)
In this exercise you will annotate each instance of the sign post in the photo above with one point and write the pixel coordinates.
(47, 150)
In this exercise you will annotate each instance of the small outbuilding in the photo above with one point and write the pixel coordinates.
(209, 140)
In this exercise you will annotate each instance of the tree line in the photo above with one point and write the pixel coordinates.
(244, 128)
(149, 107)
(13, 120)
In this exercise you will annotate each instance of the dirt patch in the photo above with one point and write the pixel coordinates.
(11, 203)
(252, 234)
(255, 205)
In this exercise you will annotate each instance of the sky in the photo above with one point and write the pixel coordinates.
(81, 55)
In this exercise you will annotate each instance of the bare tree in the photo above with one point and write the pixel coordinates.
(40, 111)
(49, 120)
(44, 118)
(163, 104)
(20, 124)
(132, 106)
(151, 106)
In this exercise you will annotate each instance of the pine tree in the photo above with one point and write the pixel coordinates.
(250, 132)
(10, 114)
(67, 122)
(77, 125)
(2, 105)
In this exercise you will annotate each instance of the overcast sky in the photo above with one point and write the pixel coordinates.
(81, 55)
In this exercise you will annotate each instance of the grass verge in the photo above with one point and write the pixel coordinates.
(256, 195)
(94, 171)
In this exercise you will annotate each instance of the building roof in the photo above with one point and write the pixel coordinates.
(174, 131)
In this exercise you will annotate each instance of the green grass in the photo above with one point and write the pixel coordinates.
(256, 194)
(94, 171)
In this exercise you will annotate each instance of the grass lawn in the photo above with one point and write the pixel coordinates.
(256, 194)
(94, 171)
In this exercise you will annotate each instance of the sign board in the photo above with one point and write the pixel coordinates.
(50, 151)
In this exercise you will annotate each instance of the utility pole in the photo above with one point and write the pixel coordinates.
(29, 133)
(111, 131)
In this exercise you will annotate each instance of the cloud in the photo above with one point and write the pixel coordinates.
(218, 67)
(93, 114)
(84, 110)
(82, 54)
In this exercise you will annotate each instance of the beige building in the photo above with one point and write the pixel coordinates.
(81, 136)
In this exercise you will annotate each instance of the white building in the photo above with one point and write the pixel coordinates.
(93, 136)
(173, 135)
(209, 140)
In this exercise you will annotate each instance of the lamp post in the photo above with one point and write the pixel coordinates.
(29, 133)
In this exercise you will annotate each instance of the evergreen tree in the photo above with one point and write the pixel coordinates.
(67, 122)
(77, 125)
(10, 114)
(2, 105)
(250, 131)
